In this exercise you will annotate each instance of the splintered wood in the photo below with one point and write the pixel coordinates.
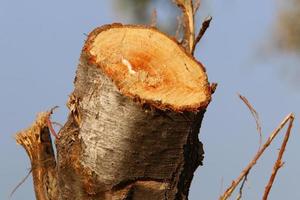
(149, 67)
(36, 141)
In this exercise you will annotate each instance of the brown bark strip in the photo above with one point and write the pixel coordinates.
(36, 141)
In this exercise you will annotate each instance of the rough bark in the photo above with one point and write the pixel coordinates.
(135, 115)
(132, 134)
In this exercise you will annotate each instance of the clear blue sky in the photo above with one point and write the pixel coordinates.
(40, 43)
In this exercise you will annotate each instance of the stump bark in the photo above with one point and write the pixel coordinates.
(135, 115)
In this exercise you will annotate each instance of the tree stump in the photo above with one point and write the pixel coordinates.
(135, 115)
(137, 107)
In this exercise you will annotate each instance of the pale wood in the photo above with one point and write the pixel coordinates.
(148, 65)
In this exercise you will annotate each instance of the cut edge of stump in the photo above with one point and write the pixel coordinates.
(92, 60)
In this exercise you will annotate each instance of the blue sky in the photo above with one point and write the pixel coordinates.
(40, 44)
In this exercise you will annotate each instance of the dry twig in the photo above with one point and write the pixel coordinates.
(246, 170)
(202, 31)
(278, 164)
(255, 116)
(20, 183)
(189, 10)
(57, 124)
(49, 123)
(242, 187)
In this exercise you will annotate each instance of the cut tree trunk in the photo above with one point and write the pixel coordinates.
(135, 115)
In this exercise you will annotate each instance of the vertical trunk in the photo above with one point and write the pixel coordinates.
(132, 131)
(134, 120)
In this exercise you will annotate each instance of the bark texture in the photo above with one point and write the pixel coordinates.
(135, 115)
(132, 134)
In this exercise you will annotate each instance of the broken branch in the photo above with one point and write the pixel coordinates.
(278, 164)
(246, 170)
(202, 31)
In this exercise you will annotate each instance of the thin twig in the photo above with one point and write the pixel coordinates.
(196, 5)
(49, 123)
(213, 87)
(258, 127)
(242, 187)
(278, 164)
(57, 124)
(246, 170)
(255, 116)
(204, 27)
(154, 18)
(19, 184)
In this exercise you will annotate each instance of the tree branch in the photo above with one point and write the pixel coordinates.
(246, 170)
(278, 164)
(202, 31)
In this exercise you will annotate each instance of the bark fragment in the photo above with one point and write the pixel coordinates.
(36, 141)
